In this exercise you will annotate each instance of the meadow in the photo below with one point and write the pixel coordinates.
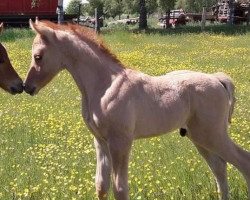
(47, 152)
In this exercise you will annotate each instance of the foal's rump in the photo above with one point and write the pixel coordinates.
(198, 79)
(212, 89)
(171, 101)
(227, 82)
(211, 96)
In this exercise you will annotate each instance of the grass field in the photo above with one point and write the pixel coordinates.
(47, 152)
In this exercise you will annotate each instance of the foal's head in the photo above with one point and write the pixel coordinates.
(46, 59)
(9, 79)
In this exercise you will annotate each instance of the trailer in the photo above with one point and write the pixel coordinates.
(196, 17)
(175, 18)
(221, 11)
(18, 12)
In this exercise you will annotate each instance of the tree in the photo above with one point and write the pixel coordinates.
(181, 4)
(73, 7)
(143, 15)
(99, 4)
(166, 5)
(194, 5)
(112, 8)
(151, 6)
(131, 6)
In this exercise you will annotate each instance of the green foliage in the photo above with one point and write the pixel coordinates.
(112, 8)
(96, 4)
(73, 7)
(194, 5)
(151, 6)
(131, 6)
(166, 5)
(15, 34)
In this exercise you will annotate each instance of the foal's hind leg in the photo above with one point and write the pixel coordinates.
(219, 168)
(240, 159)
(217, 141)
(235, 155)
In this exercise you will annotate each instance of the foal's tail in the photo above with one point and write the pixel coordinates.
(228, 84)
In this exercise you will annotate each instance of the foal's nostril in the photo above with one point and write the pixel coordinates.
(32, 91)
(29, 90)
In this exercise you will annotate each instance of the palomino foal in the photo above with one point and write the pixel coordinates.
(9, 79)
(121, 104)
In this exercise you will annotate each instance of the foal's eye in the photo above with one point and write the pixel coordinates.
(38, 57)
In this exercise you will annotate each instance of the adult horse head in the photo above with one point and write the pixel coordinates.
(9, 79)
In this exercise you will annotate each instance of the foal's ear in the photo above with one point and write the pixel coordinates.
(1, 28)
(41, 29)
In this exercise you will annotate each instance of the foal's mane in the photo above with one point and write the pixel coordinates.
(84, 33)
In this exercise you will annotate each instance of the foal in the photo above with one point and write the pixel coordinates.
(121, 104)
(9, 79)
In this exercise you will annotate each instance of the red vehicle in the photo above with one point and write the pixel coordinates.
(25, 7)
(18, 12)
(177, 17)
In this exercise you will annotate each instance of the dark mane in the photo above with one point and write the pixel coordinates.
(82, 32)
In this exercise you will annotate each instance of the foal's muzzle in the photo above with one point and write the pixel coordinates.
(30, 90)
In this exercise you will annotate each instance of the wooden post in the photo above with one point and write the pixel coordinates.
(231, 12)
(97, 27)
(79, 13)
(167, 19)
(60, 11)
(203, 21)
(248, 14)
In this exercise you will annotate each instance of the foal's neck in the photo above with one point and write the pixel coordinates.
(92, 68)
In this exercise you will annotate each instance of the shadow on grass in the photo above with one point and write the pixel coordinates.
(213, 29)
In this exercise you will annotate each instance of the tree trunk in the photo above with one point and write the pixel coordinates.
(143, 15)
(167, 19)
(248, 15)
(231, 12)
(97, 22)
(60, 11)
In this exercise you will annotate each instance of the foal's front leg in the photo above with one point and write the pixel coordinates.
(119, 149)
(103, 169)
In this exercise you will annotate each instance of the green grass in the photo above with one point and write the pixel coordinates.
(47, 152)
(13, 34)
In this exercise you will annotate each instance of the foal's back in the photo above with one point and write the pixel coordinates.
(165, 103)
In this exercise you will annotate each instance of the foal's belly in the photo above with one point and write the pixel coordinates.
(159, 121)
